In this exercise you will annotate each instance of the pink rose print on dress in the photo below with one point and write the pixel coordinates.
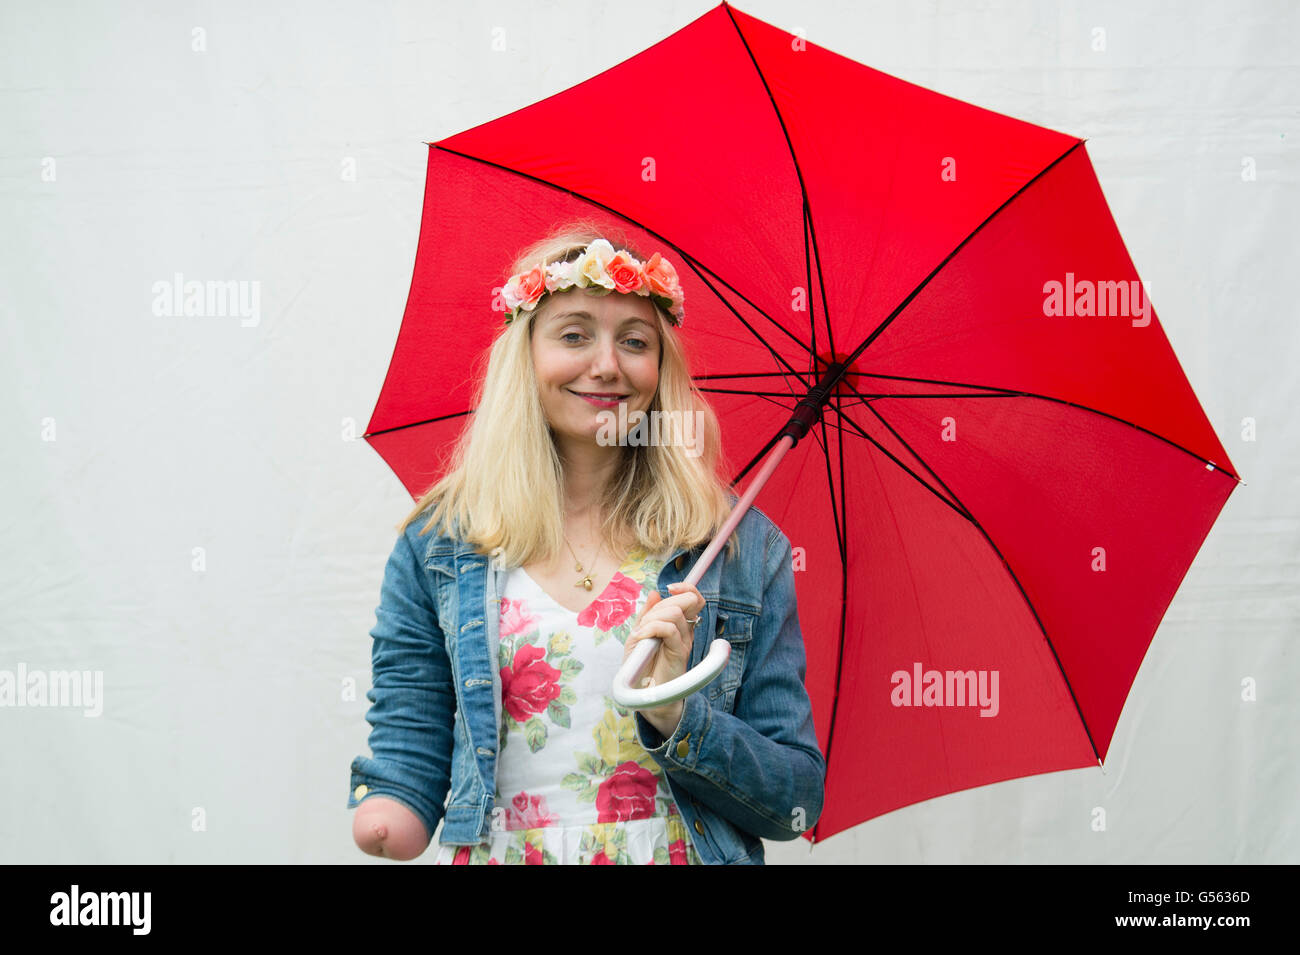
(677, 853)
(601, 859)
(529, 812)
(515, 617)
(533, 855)
(628, 794)
(613, 606)
(529, 684)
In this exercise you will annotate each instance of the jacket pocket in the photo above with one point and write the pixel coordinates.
(737, 628)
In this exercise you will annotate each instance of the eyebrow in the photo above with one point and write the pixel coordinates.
(579, 313)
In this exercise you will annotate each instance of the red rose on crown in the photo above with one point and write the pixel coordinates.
(626, 273)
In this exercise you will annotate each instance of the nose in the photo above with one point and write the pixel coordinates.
(604, 360)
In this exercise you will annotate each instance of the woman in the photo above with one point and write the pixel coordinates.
(526, 575)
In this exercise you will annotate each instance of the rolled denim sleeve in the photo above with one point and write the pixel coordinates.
(758, 766)
(412, 695)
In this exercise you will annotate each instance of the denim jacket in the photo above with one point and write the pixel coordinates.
(743, 763)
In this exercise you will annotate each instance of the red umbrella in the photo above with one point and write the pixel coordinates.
(1011, 474)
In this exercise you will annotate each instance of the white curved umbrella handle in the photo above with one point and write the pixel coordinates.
(696, 678)
(700, 675)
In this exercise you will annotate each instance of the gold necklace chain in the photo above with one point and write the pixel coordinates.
(585, 581)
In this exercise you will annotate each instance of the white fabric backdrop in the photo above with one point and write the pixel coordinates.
(131, 439)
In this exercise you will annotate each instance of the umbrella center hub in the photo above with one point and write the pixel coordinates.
(828, 364)
(830, 383)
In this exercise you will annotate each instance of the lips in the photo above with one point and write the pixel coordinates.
(598, 397)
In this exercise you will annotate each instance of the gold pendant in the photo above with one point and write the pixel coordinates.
(585, 582)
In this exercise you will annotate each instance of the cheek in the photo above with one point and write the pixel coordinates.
(646, 374)
(551, 368)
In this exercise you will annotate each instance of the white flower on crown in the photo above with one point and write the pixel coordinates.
(591, 264)
(561, 275)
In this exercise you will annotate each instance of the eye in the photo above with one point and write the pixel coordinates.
(568, 335)
(640, 343)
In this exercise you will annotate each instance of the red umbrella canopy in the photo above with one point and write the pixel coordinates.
(1012, 475)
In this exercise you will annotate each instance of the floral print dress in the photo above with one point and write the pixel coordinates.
(574, 785)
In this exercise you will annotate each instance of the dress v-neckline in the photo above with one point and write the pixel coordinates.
(576, 613)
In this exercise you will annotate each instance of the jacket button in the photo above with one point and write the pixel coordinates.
(683, 747)
(680, 562)
(360, 791)
(699, 828)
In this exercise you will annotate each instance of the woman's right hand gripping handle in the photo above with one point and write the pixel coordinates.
(384, 827)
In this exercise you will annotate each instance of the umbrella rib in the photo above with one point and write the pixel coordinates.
(769, 397)
(990, 391)
(933, 381)
(872, 396)
(811, 229)
(741, 374)
(1005, 563)
(762, 453)
(821, 280)
(866, 398)
(686, 256)
(960, 245)
(807, 270)
(841, 415)
(761, 340)
(1013, 393)
(963, 511)
(960, 511)
(810, 238)
(830, 480)
(756, 394)
(416, 424)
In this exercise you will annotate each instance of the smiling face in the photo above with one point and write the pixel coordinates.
(592, 353)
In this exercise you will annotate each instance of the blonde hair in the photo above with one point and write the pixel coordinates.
(504, 486)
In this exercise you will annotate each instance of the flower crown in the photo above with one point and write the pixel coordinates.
(601, 268)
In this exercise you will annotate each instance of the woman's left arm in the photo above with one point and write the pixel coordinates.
(759, 766)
